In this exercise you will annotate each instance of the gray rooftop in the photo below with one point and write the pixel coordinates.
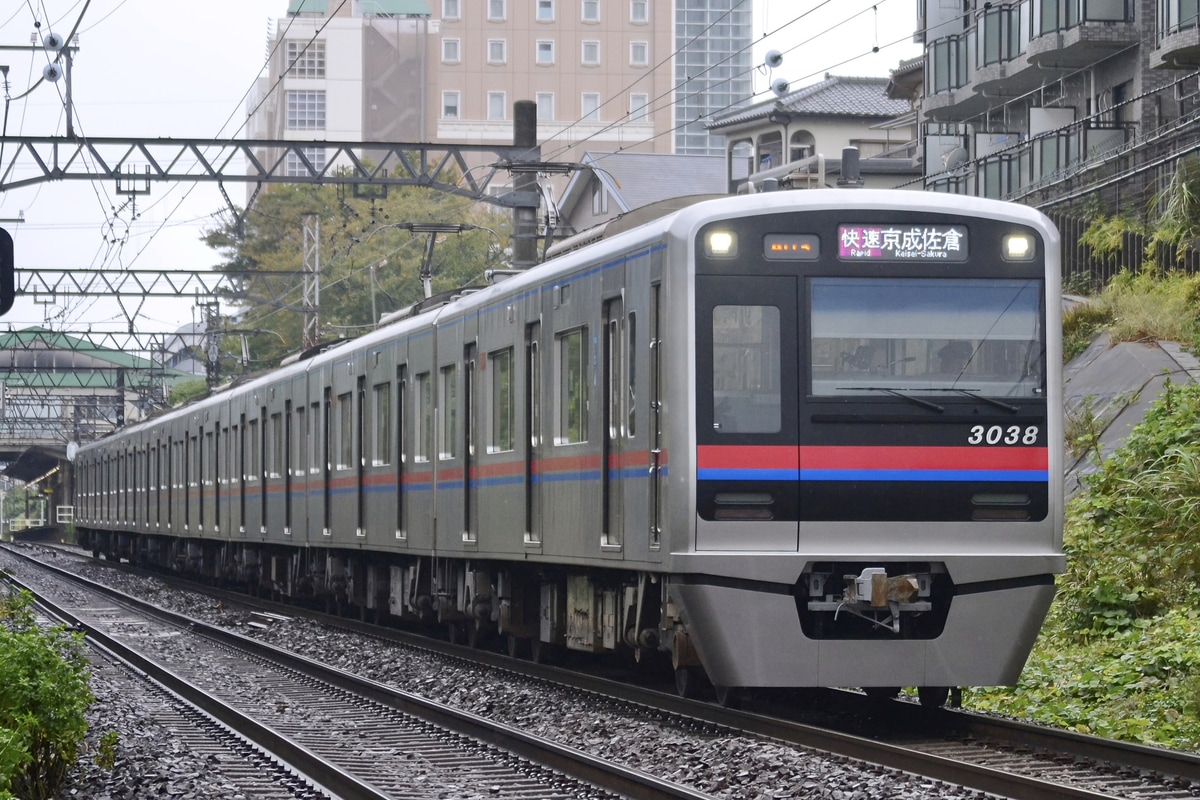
(638, 179)
(833, 97)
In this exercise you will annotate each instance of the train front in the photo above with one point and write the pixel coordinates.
(873, 463)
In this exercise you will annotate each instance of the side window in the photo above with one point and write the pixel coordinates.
(275, 465)
(500, 367)
(344, 434)
(253, 468)
(571, 387)
(448, 394)
(301, 446)
(424, 417)
(382, 407)
(747, 393)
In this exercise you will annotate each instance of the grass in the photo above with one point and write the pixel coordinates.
(1119, 655)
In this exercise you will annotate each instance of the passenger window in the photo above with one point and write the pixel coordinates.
(571, 387)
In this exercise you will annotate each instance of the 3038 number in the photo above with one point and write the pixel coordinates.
(1003, 434)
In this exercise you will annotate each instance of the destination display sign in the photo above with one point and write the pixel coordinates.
(902, 242)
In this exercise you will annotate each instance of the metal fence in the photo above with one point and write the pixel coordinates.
(1083, 271)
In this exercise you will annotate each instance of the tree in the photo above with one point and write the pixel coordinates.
(265, 264)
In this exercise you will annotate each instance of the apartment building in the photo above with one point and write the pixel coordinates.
(618, 75)
(1057, 103)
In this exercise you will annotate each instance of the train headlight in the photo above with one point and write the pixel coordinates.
(1018, 247)
(720, 244)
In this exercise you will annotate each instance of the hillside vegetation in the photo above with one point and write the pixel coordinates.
(1119, 655)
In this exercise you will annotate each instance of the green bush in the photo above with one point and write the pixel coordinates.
(44, 696)
(1119, 655)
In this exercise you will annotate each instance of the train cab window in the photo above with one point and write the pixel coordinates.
(448, 422)
(872, 335)
(747, 393)
(571, 387)
(501, 386)
(345, 428)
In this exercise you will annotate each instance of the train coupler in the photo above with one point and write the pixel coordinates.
(873, 596)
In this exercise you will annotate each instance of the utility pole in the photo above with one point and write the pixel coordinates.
(525, 185)
(312, 281)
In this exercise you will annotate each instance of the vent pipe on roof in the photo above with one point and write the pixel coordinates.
(851, 177)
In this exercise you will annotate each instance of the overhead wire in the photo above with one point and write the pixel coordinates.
(278, 42)
(672, 93)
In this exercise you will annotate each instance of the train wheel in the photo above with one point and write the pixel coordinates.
(513, 646)
(688, 681)
(540, 652)
(474, 635)
(881, 692)
(730, 696)
(933, 696)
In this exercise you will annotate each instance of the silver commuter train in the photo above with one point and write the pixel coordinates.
(803, 438)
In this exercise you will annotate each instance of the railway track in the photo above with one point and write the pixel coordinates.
(328, 733)
(986, 754)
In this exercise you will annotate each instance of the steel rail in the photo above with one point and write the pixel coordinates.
(567, 760)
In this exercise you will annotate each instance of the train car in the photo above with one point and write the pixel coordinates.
(803, 438)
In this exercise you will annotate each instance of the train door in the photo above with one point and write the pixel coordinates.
(470, 483)
(533, 433)
(615, 375)
(747, 455)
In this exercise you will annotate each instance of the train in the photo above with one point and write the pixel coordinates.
(787, 439)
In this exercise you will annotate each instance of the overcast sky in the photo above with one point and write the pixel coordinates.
(153, 68)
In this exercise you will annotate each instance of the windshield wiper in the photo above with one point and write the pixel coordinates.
(974, 394)
(894, 393)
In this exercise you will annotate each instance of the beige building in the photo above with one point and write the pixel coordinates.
(449, 71)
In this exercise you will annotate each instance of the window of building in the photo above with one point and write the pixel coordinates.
(599, 200)
(497, 51)
(639, 11)
(545, 51)
(639, 53)
(305, 110)
(451, 52)
(639, 107)
(571, 388)
(545, 10)
(305, 58)
(295, 164)
(591, 53)
(545, 105)
(497, 10)
(591, 11)
(495, 105)
(450, 9)
(589, 106)
(449, 105)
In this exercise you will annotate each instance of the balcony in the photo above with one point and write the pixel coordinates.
(1178, 36)
(1068, 34)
